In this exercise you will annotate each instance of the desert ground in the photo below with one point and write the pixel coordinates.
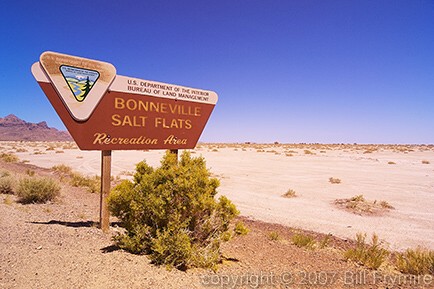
(254, 177)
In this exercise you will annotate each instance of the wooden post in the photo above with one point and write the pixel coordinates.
(104, 214)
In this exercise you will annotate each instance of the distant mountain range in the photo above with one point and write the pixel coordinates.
(12, 128)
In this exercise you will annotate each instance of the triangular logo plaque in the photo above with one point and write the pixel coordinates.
(80, 82)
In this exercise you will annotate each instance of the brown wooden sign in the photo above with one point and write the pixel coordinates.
(105, 111)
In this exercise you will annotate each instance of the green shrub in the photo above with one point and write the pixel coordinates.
(370, 255)
(416, 261)
(171, 214)
(37, 190)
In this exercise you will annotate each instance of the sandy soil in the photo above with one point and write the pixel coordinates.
(254, 177)
(58, 245)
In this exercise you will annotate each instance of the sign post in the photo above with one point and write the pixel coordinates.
(104, 214)
(105, 111)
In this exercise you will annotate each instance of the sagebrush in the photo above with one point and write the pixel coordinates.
(37, 190)
(171, 214)
(7, 184)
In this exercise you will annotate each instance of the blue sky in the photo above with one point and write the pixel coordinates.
(288, 71)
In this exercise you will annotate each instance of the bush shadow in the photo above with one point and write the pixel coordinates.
(80, 224)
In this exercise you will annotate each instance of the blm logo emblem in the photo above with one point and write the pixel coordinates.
(80, 81)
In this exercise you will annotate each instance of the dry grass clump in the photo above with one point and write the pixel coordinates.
(30, 172)
(325, 241)
(93, 184)
(8, 200)
(290, 194)
(308, 152)
(69, 146)
(9, 157)
(302, 240)
(334, 180)
(359, 205)
(370, 255)
(4, 174)
(391, 163)
(273, 236)
(21, 150)
(37, 190)
(369, 149)
(62, 169)
(386, 205)
(417, 261)
(241, 229)
(425, 162)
